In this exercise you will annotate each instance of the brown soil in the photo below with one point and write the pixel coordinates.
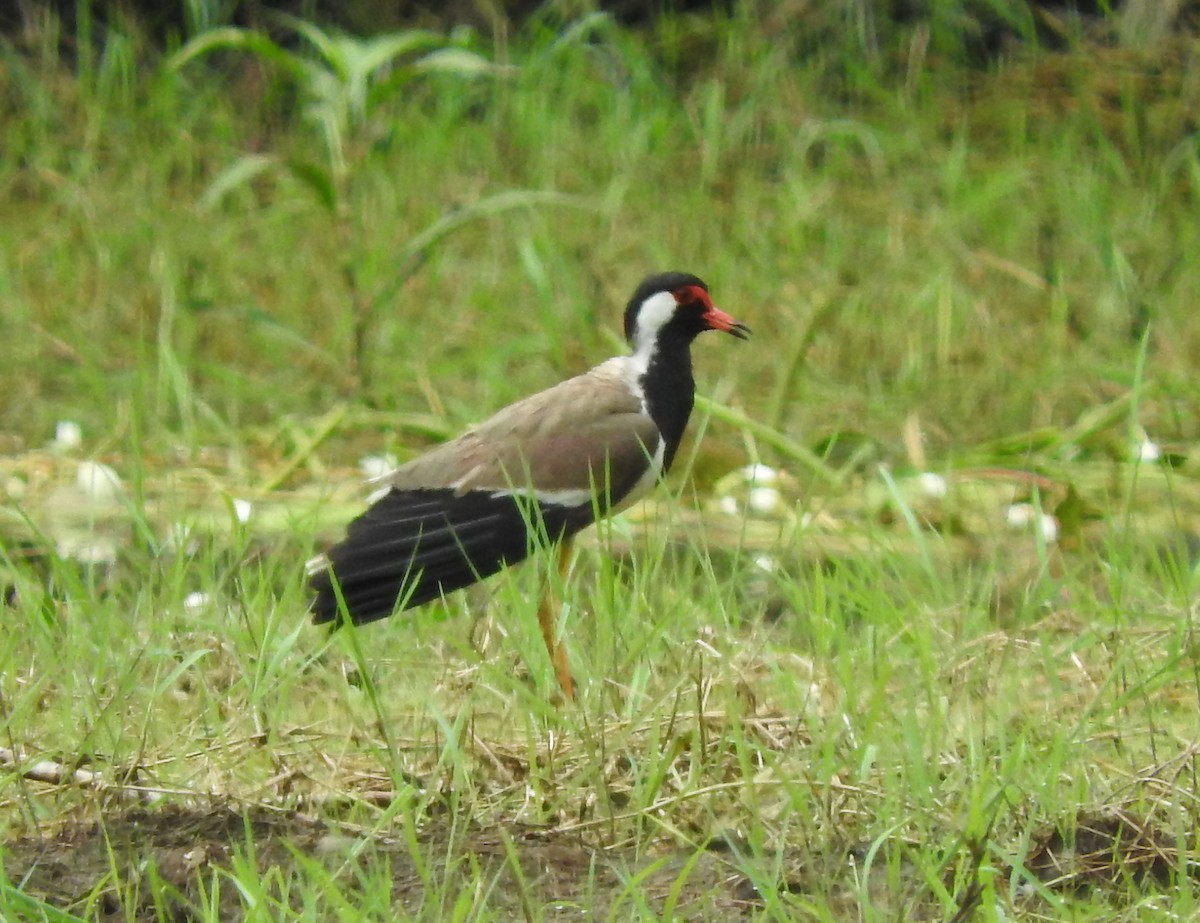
(175, 863)
(129, 864)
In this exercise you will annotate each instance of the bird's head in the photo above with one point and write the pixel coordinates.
(674, 305)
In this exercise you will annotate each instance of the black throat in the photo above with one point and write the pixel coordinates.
(669, 388)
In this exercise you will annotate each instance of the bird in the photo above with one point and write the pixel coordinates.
(529, 477)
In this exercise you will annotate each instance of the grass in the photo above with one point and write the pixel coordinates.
(873, 702)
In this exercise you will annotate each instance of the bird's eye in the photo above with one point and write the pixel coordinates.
(692, 296)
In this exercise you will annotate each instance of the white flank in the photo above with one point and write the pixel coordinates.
(646, 482)
(573, 496)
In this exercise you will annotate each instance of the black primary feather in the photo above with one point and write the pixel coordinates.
(413, 546)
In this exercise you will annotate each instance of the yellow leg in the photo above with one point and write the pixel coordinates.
(548, 609)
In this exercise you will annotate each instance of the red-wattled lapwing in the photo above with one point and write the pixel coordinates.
(532, 475)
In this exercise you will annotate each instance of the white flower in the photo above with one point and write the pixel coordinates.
(242, 509)
(763, 475)
(196, 602)
(934, 485)
(1022, 515)
(1147, 451)
(179, 538)
(376, 466)
(764, 499)
(96, 550)
(68, 435)
(98, 481)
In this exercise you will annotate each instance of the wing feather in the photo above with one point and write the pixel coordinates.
(584, 433)
(392, 558)
(531, 474)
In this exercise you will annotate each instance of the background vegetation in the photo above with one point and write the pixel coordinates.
(942, 665)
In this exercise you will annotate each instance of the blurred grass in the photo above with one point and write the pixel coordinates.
(931, 234)
(982, 273)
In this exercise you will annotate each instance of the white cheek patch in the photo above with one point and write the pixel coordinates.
(654, 314)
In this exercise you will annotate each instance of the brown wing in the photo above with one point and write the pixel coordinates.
(535, 472)
(585, 433)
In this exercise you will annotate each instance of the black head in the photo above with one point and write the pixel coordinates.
(675, 300)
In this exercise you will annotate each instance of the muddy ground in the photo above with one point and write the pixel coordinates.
(154, 864)
(104, 868)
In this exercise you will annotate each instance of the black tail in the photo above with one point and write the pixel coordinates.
(412, 546)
